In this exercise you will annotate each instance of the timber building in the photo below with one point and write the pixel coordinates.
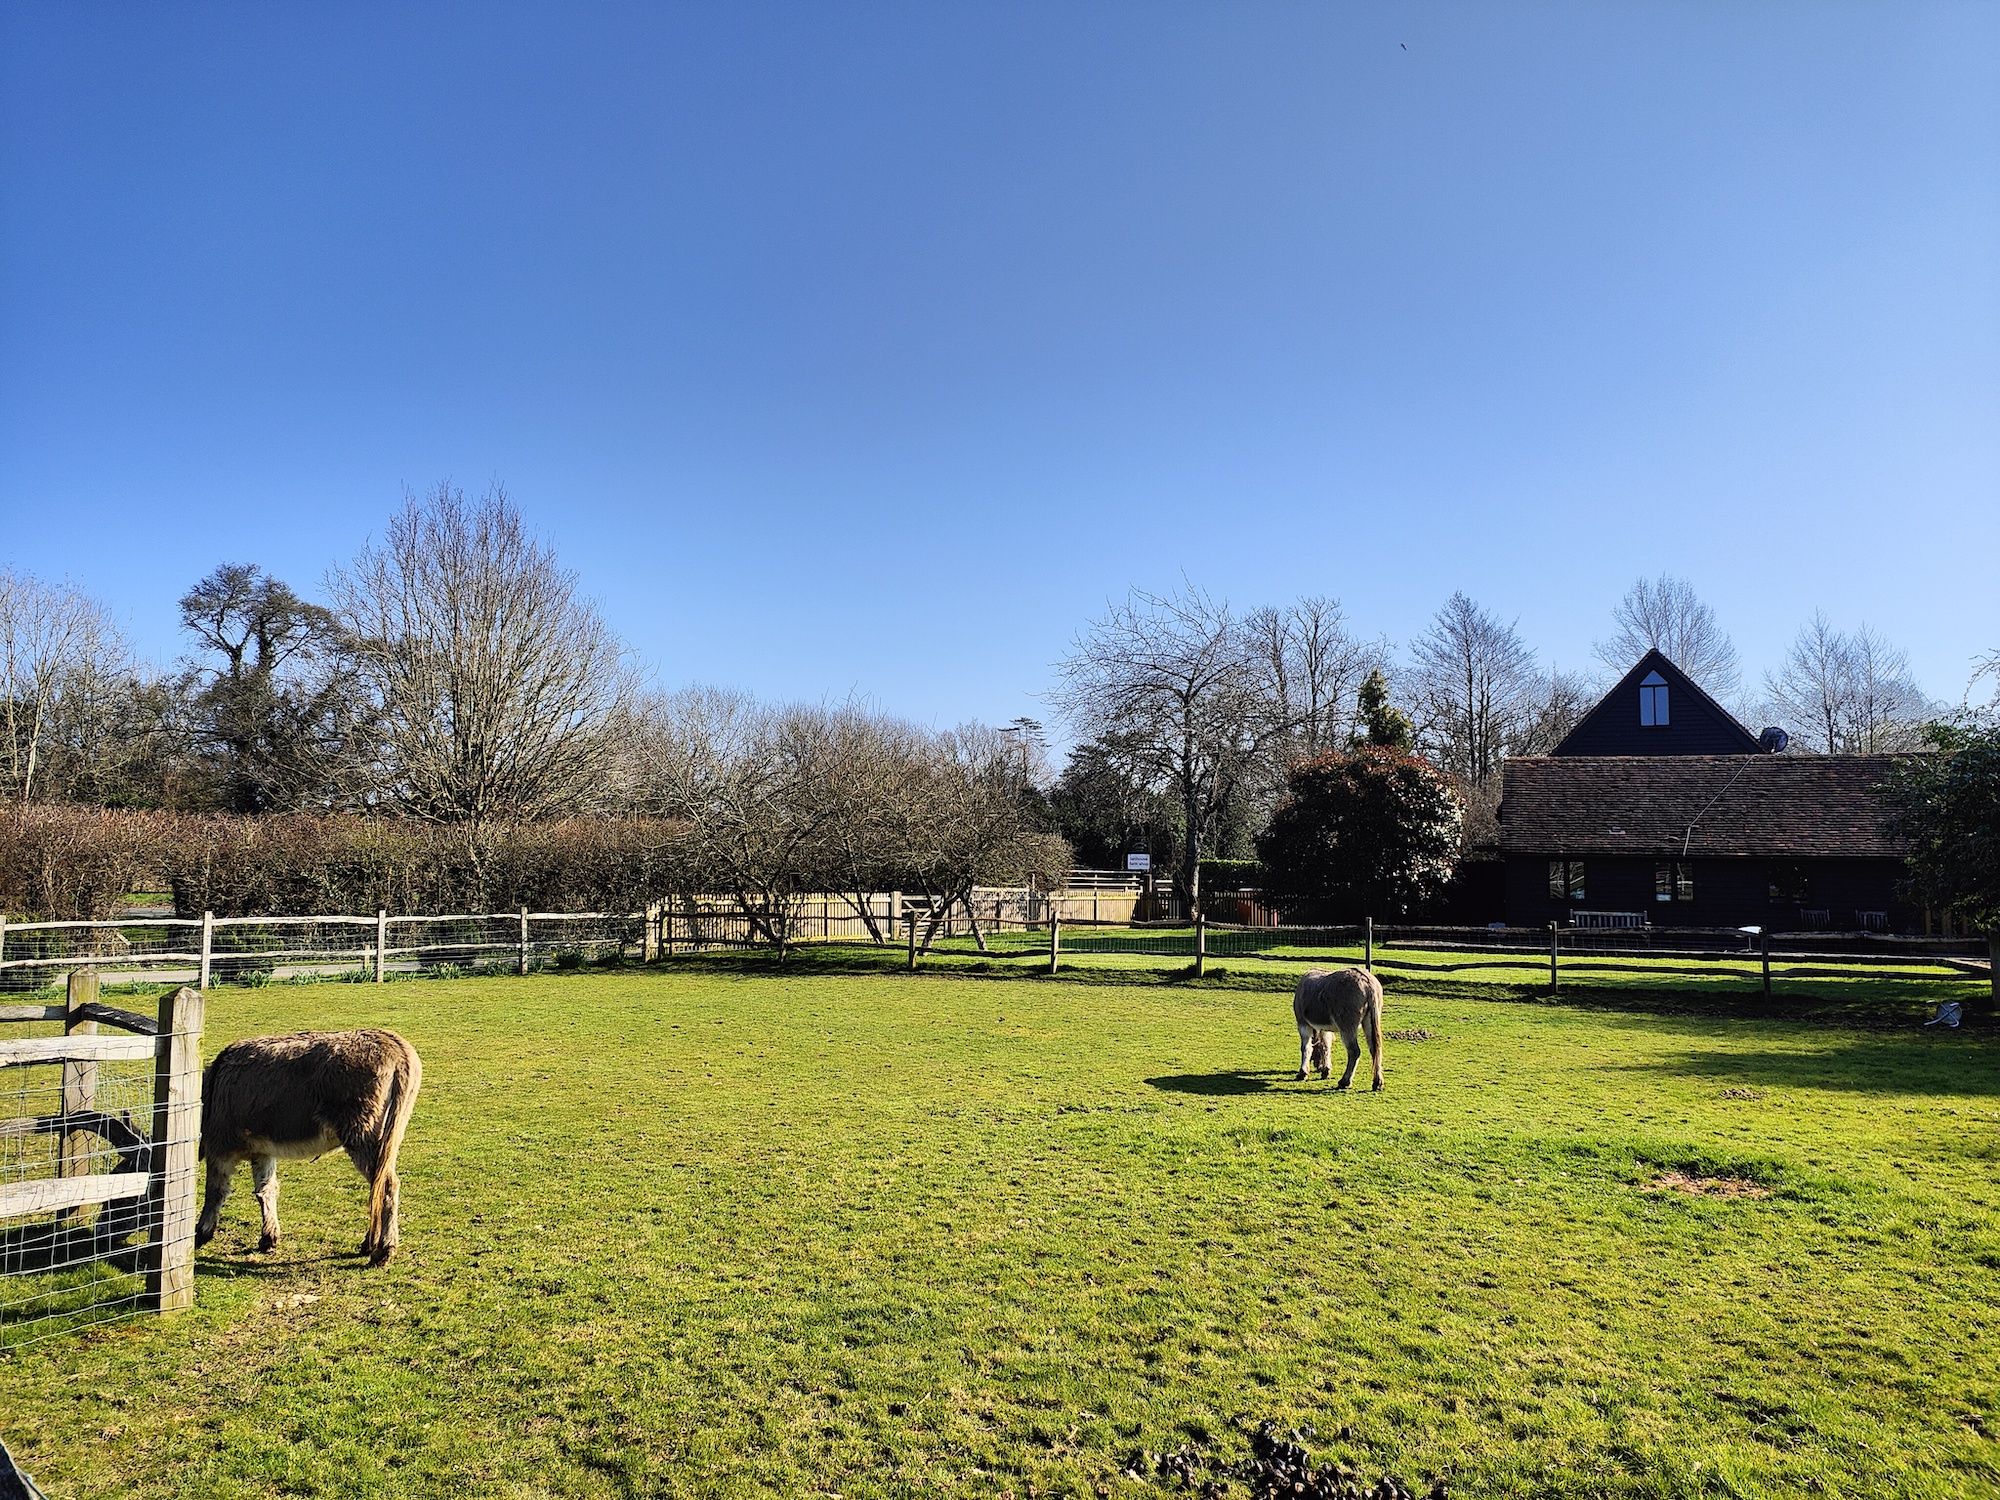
(1660, 809)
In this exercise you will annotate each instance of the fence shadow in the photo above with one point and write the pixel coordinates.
(1926, 1063)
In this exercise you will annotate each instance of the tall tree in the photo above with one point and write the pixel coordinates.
(494, 680)
(1316, 665)
(278, 712)
(1182, 682)
(1561, 702)
(1476, 684)
(1843, 694)
(66, 686)
(1663, 614)
(1108, 806)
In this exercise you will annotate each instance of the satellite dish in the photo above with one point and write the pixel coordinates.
(1772, 740)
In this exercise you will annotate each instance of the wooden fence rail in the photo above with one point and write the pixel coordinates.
(150, 1146)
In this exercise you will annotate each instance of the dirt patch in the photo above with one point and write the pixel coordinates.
(1705, 1187)
(1742, 1093)
(1414, 1034)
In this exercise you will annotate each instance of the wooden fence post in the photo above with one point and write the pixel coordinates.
(79, 1080)
(522, 966)
(912, 920)
(1554, 940)
(1200, 945)
(207, 947)
(1055, 938)
(381, 942)
(1368, 944)
(176, 1143)
(649, 944)
(1764, 949)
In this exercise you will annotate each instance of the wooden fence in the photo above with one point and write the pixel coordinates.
(80, 1134)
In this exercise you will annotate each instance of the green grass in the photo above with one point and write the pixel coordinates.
(721, 1229)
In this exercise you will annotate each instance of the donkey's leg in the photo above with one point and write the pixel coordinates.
(1372, 1023)
(367, 1158)
(1350, 1036)
(264, 1174)
(1305, 1051)
(387, 1221)
(1323, 1053)
(220, 1170)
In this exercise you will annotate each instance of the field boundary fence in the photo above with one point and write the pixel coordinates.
(99, 1135)
(997, 922)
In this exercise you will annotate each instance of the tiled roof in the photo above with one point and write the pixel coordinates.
(1749, 805)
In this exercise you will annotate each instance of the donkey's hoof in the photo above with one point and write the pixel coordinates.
(381, 1256)
(267, 1243)
(1377, 1087)
(1303, 1075)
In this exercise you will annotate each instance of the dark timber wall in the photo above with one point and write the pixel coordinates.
(1696, 723)
(1727, 893)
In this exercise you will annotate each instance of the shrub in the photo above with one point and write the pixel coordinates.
(1365, 832)
(66, 863)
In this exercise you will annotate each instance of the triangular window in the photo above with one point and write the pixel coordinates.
(1653, 701)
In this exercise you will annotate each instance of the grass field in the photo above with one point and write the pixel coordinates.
(720, 1229)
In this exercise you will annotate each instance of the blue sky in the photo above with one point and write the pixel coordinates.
(864, 348)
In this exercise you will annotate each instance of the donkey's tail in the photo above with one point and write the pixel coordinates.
(404, 1081)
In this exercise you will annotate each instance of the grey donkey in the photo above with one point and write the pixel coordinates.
(1345, 1000)
(299, 1097)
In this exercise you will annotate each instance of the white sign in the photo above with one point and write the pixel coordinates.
(1138, 861)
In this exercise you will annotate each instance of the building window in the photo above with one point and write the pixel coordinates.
(1566, 880)
(1788, 884)
(1653, 701)
(1673, 880)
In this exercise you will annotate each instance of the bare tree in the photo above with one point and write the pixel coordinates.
(1984, 667)
(1476, 686)
(494, 680)
(964, 820)
(1561, 701)
(786, 801)
(65, 680)
(1845, 694)
(746, 781)
(1886, 709)
(1183, 686)
(1663, 614)
(1316, 667)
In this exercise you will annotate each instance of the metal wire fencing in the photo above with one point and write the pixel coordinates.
(260, 950)
(99, 1120)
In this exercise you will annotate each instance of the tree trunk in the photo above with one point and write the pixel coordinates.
(1191, 865)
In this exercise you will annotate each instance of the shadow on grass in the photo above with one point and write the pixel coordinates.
(240, 1265)
(1927, 1063)
(1218, 1085)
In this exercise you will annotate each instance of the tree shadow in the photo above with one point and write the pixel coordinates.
(1215, 1085)
(1871, 1064)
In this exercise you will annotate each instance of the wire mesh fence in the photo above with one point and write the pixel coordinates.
(98, 1141)
(35, 956)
